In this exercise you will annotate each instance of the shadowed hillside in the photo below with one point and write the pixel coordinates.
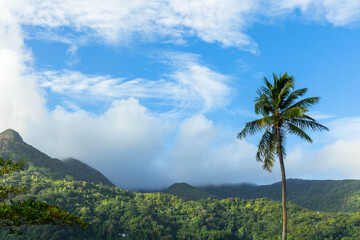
(117, 214)
(13, 147)
(318, 195)
(188, 192)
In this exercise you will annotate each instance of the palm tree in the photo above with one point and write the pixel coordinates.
(281, 113)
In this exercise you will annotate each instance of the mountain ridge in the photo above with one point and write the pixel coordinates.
(317, 195)
(13, 147)
(114, 212)
(187, 192)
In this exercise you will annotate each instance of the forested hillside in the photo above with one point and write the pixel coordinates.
(113, 212)
(116, 214)
(188, 192)
(317, 195)
(13, 147)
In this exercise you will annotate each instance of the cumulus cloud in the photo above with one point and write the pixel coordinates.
(109, 142)
(205, 153)
(126, 142)
(130, 144)
(338, 158)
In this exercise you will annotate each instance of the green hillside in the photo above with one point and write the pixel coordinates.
(13, 147)
(119, 214)
(113, 212)
(317, 195)
(187, 192)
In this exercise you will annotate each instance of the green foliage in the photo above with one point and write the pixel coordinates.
(282, 113)
(113, 211)
(317, 195)
(28, 212)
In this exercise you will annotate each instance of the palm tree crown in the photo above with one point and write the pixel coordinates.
(278, 104)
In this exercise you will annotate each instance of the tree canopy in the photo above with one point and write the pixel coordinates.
(14, 214)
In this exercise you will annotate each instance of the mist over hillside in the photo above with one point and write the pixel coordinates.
(13, 147)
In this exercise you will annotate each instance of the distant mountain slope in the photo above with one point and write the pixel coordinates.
(187, 192)
(114, 213)
(319, 195)
(84, 172)
(12, 146)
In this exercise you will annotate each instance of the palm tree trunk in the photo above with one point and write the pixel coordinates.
(283, 179)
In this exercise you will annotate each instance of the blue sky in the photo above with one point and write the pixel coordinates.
(155, 92)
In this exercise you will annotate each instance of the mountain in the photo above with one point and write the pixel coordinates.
(188, 192)
(115, 213)
(82, 171)
(318, 195)
(13, 147)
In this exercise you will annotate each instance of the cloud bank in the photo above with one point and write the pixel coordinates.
(133, 146)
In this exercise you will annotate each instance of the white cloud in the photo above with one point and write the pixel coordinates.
(127, 141)
(204, 153)
(191, 86)
(109, 142)
(336, 12)
(342, 12)
(338, 158)
(71, 54)
(120, 21)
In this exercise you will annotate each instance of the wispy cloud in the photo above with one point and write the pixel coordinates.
(336, 12)
(190, 86)
(72, 57)
(116, 21)
(122, 21)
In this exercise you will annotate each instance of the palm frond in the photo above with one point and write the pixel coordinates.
(307, 102)
(269, 160)
(298, 132)
(263, 106)
(285, 81)
(292, 97)
(252, 127)
(267, 150)
(304, 116)
(264, 143)
(268, 84)
(294, 112)
(283, 92)
(281, 109)
(308, 124)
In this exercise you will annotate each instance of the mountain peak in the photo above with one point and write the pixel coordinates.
(12, 135)
(187, 192)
